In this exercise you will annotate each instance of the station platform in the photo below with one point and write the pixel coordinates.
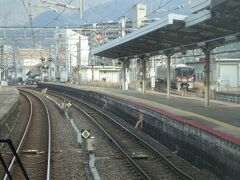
(207, 137)
(220, 118)
(8, 99)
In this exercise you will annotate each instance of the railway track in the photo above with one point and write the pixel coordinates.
(147, 162)
(34, 148)
(193, 93)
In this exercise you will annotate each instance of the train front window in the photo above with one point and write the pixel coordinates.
(185, 72)
(178, 72)
(191, 72)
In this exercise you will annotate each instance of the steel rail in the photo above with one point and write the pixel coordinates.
(176, 169)
(23, 137)
(49, 135)
(143, 173)
(26, 130)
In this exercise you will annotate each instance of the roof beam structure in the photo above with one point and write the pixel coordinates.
(173, 20)
(212, 23)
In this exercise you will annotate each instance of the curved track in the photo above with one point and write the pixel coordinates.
(147, 162)
(34, 148)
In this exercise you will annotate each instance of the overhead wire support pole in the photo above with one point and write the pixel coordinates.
(1, 64)
(30, 19)
(79, 62)
(81, 8)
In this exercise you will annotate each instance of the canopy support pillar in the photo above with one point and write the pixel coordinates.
(125, 65)
(169, 54)
(144, 76)
(207, 75)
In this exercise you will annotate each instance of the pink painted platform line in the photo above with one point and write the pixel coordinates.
(184, 120)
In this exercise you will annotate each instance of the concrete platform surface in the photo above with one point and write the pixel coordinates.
(221, 118)
(8, 98)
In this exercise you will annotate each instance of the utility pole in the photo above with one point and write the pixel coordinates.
(15, 66)
(5, 73)
(1, 64)
(92, 64)
(123, 26)
(42, 61)
(50, 69)
(81, 8)
(92, 72)
(70, 70)
(79, 60)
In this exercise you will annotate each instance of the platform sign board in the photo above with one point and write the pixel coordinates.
(152, 72)
(85, 133)
(69, 104)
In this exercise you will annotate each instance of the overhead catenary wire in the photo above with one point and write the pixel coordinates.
(54, 19)
(102, 29)
(160, 7)
(116, 19)
(30, 19)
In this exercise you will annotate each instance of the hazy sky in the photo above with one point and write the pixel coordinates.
(13, 12)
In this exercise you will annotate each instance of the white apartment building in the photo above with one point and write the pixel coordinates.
(83, 50)
(66, 55)
(102, 32)
(139, 15)
(7, 63)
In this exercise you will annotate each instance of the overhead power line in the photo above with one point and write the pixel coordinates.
(30, 19)
(46, 25)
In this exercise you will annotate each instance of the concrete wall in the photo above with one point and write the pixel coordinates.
(8, 120)
(204, 149)
(224, 72)
(110, 74)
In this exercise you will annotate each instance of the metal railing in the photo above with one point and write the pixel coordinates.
(11, 146)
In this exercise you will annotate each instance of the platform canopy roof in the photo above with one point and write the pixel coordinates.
(212, 22)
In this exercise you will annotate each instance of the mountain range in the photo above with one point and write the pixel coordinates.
(13, 13)
(109, 11)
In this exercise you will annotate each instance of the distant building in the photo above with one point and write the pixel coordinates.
(139, 15)
(7, 63)
(91, 36)
(83, 51)
(68, 50)
(29, 60)
(102, 32)
(224, 72)
(99, 73)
